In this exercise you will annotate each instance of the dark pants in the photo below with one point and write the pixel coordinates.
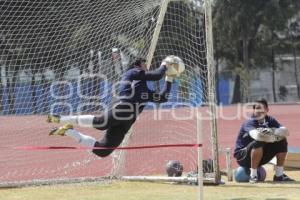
(270, 150)
(117, 122)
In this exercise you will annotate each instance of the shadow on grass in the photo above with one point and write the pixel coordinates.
(283, 183)
(266, 184)
(253, 199)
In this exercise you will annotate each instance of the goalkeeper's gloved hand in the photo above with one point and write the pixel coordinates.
(267, 131)
(165, 63)
(169, 78)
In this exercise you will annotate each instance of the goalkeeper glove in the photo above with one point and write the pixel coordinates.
(167, 64)
(169, 78)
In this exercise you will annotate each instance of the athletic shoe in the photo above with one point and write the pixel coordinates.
(53, 119)
(282, 178)
(61, 130)
(253, 179)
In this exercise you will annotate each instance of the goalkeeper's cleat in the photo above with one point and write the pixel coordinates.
(253, 180)
(282, 178)
(61, 130)
(53, 118)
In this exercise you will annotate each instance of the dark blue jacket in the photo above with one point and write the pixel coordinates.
(244, 138)
(133, 87)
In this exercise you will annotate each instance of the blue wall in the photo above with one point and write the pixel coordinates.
(69, 98)
(224, 90)
(72, 97)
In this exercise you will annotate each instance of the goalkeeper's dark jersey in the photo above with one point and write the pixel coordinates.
(133, 87)
(244, 138)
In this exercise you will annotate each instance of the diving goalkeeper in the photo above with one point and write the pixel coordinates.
(133, 96)
(260, 139)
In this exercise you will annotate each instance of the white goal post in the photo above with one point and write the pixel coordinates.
(211, 88)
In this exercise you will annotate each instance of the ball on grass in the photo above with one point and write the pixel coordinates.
(242, 174)
(174, 168)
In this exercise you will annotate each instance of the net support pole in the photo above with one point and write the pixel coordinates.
(211, 88)
(200, 166)
(157, 29)
(228, 164)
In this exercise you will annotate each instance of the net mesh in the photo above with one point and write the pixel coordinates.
(66, 57)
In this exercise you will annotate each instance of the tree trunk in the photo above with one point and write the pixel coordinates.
(33, 94)
(59, 76)
(245, 52)
(96, 81)
(217, 81)
(245, 94)
(1, 91)
(46, 92)
(237, 90)
(273, 75)
(11, 91)
(296, 72)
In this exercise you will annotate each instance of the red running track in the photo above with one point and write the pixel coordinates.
(16, 165)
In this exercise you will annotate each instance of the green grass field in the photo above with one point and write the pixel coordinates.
(117, 190)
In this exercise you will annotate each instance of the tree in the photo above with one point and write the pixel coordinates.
(236, 24)
(172, 40)
(273, 29)
(294, 35)
(239, 26)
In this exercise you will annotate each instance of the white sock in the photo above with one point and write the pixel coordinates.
(81, 120)
(85, 140)
(253, 172)
(278, 171)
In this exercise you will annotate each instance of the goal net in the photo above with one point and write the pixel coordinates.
(67, 57)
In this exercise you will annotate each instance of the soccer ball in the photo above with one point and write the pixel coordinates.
(174, 168)
(175, 66)
(242, 174)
